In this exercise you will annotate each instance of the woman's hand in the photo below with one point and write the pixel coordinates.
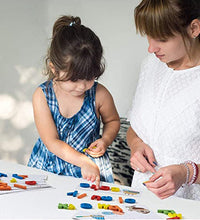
(167, 180)
(97, 148)
(90, 172)
(142, 158)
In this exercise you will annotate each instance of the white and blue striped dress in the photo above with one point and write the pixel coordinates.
(78, 131)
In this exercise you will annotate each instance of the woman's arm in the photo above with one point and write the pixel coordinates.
(142, 157)
(167, 180)
(132, 138)
(198, 177)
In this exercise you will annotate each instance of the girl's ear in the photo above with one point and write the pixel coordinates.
(51, 66)
(194, 28)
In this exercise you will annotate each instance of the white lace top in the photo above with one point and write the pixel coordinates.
(166, 115)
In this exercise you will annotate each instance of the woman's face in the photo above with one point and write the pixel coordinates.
(171, 50)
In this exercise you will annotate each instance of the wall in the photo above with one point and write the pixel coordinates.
(26, 27)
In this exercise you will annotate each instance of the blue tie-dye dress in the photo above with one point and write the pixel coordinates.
(78, 131)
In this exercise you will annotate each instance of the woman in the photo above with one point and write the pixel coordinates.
(164, 135)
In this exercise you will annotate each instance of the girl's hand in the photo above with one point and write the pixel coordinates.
(97, 148)
(167, 180)
(90, 172)
(142, 158)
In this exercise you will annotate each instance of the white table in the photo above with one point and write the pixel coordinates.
(42, 204)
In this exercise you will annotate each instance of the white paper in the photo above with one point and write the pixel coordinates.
(40, 183)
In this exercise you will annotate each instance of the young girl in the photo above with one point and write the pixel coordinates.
(68, 107)
(165, 116)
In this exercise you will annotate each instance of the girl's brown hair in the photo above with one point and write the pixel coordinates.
(74, 50)
(161, 19)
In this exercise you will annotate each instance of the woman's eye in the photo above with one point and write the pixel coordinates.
(161, 40)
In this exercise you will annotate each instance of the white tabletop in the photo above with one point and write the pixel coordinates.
(43, 204)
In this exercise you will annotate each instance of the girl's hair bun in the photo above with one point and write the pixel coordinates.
(65, 21)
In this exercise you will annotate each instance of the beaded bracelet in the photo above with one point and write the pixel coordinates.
(188, 173)
(197, 168)
(195, 171)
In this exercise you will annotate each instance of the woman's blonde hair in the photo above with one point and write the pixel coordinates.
(161, 19)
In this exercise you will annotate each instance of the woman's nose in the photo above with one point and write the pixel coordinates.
(153, 47)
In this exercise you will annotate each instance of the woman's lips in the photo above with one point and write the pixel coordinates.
(159, 56)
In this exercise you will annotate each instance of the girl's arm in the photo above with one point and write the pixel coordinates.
(49, 135)
(106, 109)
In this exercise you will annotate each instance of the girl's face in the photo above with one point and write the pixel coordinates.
(77, 88)
(169, 51)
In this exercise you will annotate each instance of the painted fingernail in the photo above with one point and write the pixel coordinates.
(144, 183)
(155, 163)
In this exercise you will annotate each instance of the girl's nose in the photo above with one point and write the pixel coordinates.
(82, 85)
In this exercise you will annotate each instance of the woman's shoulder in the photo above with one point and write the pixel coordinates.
(150, 59)
(151, 64)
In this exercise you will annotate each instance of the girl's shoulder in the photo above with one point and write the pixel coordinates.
(102, 94)
(96, 90)
(42, 90)
(38, 96)
(46, 85)
(101, 89)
